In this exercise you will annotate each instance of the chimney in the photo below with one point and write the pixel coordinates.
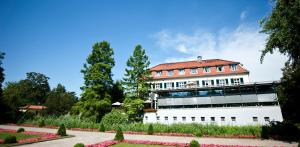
(199, 58)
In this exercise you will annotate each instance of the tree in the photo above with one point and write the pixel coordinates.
(282, 28)
(59, 101)
(1, 72)
(137, 74)
(117, 92)
(134, 109)
(3, 107)
(96, 99)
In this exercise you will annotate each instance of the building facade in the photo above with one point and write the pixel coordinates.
(210, 92)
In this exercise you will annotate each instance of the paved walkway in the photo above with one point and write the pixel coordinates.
(96, 137)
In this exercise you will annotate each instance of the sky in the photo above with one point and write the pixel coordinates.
(54, 37)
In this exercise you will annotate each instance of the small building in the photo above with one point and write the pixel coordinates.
(36, 109)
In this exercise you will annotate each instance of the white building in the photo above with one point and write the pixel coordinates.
(210, 91)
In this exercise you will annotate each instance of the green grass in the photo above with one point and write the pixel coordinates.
(209, 129)
(136, 145)
(19, 136)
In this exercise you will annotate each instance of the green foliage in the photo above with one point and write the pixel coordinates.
(283, 27)
(20, 130)
(96, 100)
(79, 145)
(134, 108)
(42, 123)
(102, 128)
(10, 139)
(119, 135)
(150, 130)
(137, 74)
(199, 133)
(194, 143)
(115, 118)
(117, 92)
(282, 131)
(62, 130)
(59, 101)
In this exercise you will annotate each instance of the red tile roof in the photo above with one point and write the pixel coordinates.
(187, 65)
(35, 107)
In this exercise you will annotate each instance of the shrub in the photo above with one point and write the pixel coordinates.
(194, 143)
(10, 139)
(102, 128)
(150, 130)
(199, 133)
(20, 130)
(79, 145)
(281, 130)
(62, 130)
(115, 118)
(42, 123)
(119, 135)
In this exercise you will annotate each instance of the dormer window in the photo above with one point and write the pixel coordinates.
(170, 72)
(158, 73)
(193, 71)
(206, 70)
(219, 68)
(233, 67)
(181, 71)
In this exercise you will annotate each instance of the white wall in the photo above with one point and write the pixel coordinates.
(243, 115)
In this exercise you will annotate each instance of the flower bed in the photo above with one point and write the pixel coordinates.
(40, 136)
(110, 143)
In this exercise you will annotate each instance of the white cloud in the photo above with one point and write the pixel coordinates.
(243, 15)
(242, 44)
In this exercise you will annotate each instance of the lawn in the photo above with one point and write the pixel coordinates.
(136, 145)
(19, 136)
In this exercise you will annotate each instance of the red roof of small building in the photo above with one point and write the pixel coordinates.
(187, 65)
(35, 107)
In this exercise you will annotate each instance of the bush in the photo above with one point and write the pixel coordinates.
(282, 131)
(42, 123)
(79, 145)
(199, 133)
(150, 130)
(102, 128)
(194, 143)
(62, 130)
(119, 135)
(114, 118)
(10, 139)
(20, 130)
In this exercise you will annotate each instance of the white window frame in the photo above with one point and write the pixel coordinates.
(222, 118)
(233, 67)
(157, 86)
(218, 70)
(233, 118)
(194, 71)
(181, 84)
(206, 70)
(169, 85)
(175, 118)
(158, 73)
(193, 118)
(255, 119)
(222, 82)
(170, 73)
(181, 72)
(207, 83)
(183, 118)
(236, 81)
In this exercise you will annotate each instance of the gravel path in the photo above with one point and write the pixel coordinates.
(96, 137)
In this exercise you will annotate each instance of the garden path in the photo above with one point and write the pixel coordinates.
(96, 137)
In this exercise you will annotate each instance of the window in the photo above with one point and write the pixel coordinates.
(158, 73)
(212, 118)
(175, 118)
(267, 119)
(193, 118)
(237, 81)
(233, 67)
(181, 71)
(222, 118)
(255, 119)
(206, 70)
(183, 118)
(233, 118)
(207, 83)
(219, 68)
(222, 82)
(193, 71)
(170, 72)
(181, 84)
(146, 117)
(157, 85)
(169, 85)
(157, 118)
(166, 117)
(202, 118)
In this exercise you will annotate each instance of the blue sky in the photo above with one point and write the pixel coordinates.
(54, 37)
